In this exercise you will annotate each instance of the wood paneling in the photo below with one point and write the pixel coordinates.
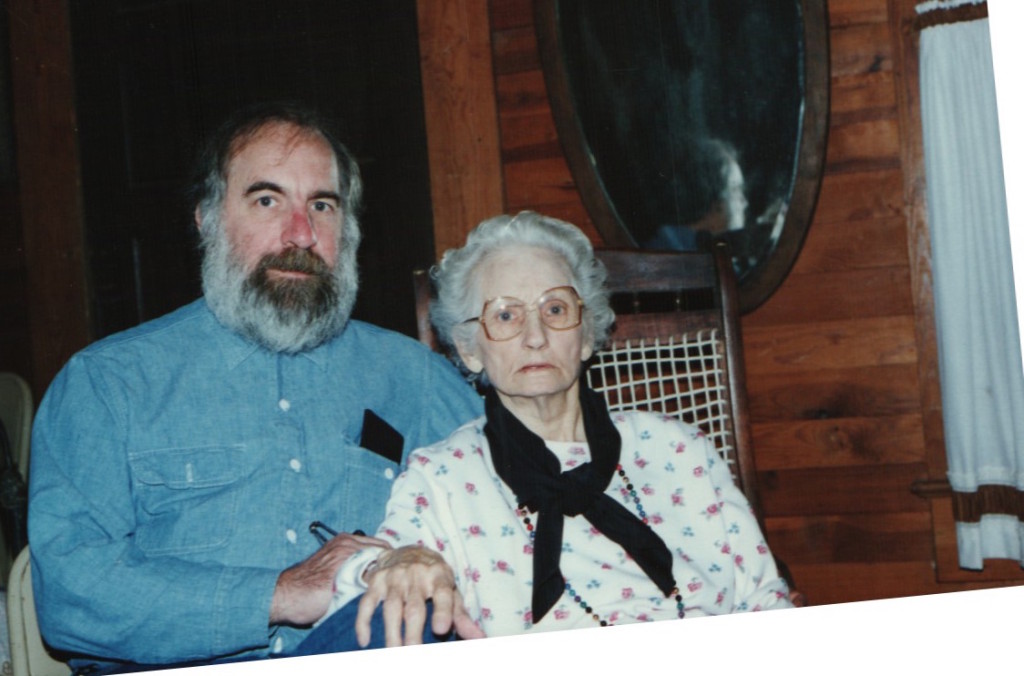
(49, 184)
(460, 109)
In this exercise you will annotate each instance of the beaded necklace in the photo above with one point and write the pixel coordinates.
(524, 514)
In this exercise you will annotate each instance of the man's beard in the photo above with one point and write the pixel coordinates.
(286, 314)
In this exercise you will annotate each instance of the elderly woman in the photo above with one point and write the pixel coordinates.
(552, 513)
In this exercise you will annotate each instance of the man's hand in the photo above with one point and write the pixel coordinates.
(303, 591)
(403, 580)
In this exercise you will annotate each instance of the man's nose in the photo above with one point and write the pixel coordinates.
(300, 231)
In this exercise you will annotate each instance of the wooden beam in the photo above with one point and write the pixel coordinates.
(49, 183)
(461, 117)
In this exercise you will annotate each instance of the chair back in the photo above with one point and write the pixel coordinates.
(16, 410)
(29, 656)
(16, 413)
(675, 347)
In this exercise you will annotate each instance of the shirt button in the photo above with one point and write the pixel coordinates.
(284, 404)
(277, 646)
(291, 535)
(389, 473)
(295, 464)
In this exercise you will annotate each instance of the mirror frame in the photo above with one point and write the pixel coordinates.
(756, 286)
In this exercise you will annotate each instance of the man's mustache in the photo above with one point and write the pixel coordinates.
(295, 260)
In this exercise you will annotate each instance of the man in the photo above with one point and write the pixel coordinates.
(177, 467)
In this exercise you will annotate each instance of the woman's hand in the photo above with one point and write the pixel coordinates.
(404, 579)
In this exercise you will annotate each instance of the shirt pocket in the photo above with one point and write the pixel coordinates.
(365, 488)
(186, 499)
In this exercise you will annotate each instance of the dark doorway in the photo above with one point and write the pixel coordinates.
(154, 77)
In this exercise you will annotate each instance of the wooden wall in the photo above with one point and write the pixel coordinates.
(841, 360)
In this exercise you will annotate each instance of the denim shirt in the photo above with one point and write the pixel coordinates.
(176, 468)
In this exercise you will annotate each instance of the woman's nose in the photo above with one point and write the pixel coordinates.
(299, 231)
(535, 334)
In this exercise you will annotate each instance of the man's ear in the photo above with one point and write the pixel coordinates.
(469, 357)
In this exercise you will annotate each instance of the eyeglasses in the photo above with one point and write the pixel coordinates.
(504, 317)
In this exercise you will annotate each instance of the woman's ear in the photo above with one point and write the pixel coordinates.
(587, 352)
(198, 216)
(468, 355)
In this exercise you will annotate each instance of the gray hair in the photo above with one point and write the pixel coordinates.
(455, 277)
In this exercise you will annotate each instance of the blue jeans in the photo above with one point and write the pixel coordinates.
(338, 632)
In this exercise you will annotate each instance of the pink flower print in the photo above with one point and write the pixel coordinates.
(627, 592)
(643, 617)
(698, 471)
(577, 450)
(502, 567)
(762, 549)
(458, 453)
(470, 488)
(738, 560)
(712, 509)
(421, 502)
(472, 574)
(561, 614)
(640, 462)
(606, 566)
(571, 462)
(680, 447)
(478, 450)
(528, 617)
(485, 613)
(647, 490)
(439, 545)
(390, 533)
(655, 519)
(726, 548)
(677, 497)
(618, 417)
(593, 531)
(528, 549)
(422, 459)
(474, 530)
(719, 598)
(695, 585)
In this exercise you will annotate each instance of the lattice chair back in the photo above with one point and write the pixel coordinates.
(675, 347)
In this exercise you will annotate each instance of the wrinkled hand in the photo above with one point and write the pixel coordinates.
(304, 591)
(403, 580)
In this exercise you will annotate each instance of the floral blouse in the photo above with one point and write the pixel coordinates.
(451, 499)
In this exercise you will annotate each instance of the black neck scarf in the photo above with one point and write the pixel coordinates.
(534, 475)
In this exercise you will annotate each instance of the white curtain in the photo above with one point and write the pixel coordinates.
(976, 317)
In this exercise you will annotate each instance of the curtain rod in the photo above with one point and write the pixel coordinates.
(948, 15)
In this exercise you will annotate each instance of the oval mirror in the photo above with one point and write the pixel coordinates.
(687, 122)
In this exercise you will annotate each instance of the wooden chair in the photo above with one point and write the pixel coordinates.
(675, 347)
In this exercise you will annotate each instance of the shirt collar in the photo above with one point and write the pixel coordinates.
(237, 348)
